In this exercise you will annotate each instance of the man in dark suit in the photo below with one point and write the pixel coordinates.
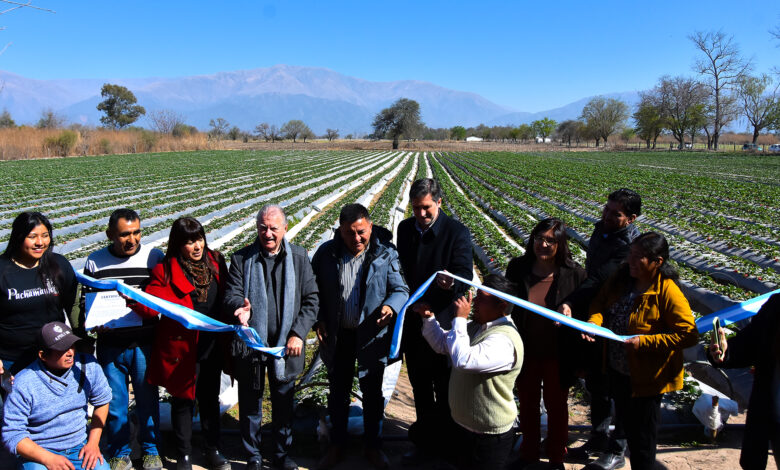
(428, 242)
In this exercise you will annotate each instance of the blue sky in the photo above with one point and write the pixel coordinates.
(526, 56)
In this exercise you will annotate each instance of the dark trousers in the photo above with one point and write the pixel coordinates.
(620, 392)
(209, 371)
(636, 422)
(481, 451)
(340, 378)
(597, 384)
(250, 397)
(644, 416)
(429, 375)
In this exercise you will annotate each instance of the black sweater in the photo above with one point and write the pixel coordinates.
(26, 304)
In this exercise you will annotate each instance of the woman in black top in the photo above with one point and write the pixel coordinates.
(545, 275)
(37, 286)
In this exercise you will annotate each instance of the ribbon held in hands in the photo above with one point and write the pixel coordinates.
(734, 313)
(189, 318)
(580, 325)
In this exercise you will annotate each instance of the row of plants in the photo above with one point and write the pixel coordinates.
(303, 182)
(697, 277)
(386, 204)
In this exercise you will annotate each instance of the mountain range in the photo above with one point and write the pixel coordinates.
(320, 97)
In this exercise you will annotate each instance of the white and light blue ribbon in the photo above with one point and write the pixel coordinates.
(734, 313)
(191, 319)
(585, 327)
(704, 324)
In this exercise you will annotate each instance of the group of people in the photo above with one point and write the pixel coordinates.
(468, 355)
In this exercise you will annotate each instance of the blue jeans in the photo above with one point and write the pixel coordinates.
(72, 455)
(6, 458)
(119, 364)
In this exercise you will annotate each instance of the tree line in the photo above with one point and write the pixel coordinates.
(724, 88)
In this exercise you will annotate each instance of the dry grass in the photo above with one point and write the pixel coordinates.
(25, 143)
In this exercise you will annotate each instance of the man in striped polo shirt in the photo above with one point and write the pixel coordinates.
(486, 355)
(124, 352)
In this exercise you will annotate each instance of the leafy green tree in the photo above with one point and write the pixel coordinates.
(119, 105)
(761, 108)
(544, 127)
(401, 118)
(458, 132)
(6, 121)
(604, 116)
(526, 132)
(627, 134)
(649, 119)
(294, 128)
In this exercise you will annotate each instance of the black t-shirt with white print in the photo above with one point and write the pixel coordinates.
(27, 303)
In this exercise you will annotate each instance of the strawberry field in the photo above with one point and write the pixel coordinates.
(719, 212)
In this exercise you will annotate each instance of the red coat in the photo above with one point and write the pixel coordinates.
(174, 356)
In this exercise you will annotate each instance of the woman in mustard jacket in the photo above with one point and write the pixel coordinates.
(643, 299)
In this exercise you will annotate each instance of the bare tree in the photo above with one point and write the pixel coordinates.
(682, 102)
(604, 117)
(165, 121)
(761, 108)
(568, 130)
(50, 120)
(15, 6)
(294, 128)
(274, 133)
(307, 134)
(219, 127)
(723, 66)
(331, 134)
(261, 131)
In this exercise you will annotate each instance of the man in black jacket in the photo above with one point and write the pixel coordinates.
(607, 249)
(758, 344)
(271, 287)
(428, 242)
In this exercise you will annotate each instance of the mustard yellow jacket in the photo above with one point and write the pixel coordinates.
(663, 317)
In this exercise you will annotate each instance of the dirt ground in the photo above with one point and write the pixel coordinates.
(682, 450)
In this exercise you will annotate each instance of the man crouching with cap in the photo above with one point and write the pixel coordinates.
(45, 420)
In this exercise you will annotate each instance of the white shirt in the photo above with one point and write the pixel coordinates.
(495, 353)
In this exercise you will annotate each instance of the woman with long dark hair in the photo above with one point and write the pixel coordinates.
(188, 363)
(643, 299)
(38, 286)
(545, 275)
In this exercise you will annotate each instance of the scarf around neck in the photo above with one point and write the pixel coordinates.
(255, 291)
(201, 275)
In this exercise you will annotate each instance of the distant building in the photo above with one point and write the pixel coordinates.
(474, 139)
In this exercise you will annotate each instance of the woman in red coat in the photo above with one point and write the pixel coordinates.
(186, 362)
